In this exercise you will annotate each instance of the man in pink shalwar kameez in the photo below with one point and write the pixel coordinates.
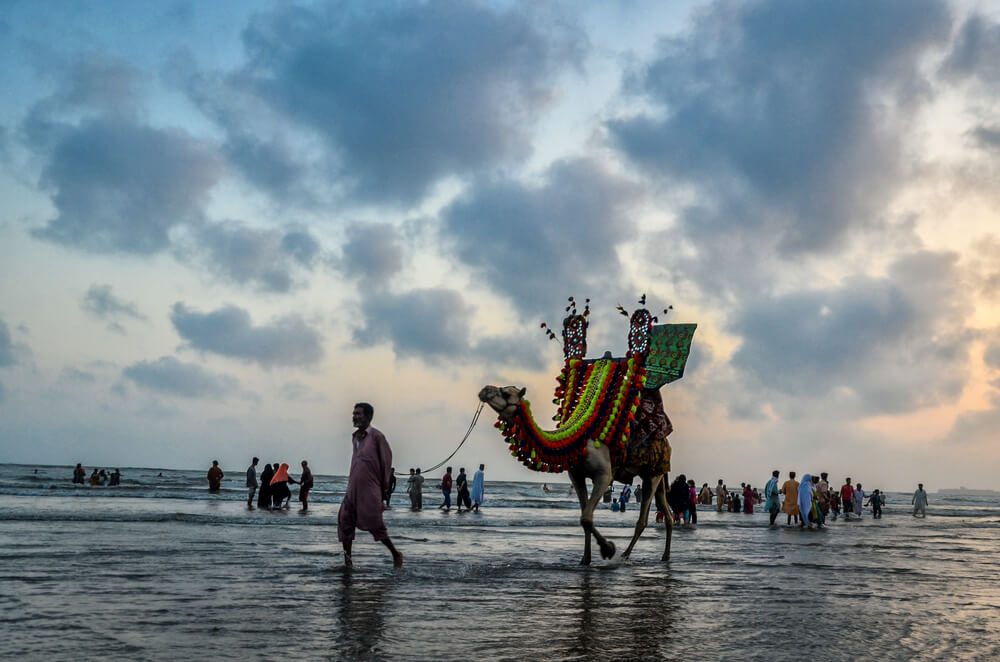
(367, 485)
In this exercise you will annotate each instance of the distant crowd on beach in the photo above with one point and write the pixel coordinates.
(806, 504)
(812, 496)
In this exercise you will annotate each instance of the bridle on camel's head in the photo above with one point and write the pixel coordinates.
(511, 396)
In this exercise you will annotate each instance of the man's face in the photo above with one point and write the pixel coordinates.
(359, 419)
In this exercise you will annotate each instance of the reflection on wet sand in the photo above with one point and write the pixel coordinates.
(361, 615)
(643, 614)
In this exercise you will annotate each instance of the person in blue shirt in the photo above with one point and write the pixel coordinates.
(875, 501)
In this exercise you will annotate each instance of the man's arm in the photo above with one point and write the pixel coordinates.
(385, 458)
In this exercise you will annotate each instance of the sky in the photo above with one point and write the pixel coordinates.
(223, 224)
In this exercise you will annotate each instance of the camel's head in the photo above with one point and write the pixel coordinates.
(504, 401)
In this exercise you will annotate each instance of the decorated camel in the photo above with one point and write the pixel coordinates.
(610, 423)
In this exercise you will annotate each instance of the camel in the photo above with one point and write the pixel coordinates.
(610, 425)
(596, 464)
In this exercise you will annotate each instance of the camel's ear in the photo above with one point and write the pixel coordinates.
(522, 392)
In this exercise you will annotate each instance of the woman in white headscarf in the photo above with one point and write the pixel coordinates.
(806, 497)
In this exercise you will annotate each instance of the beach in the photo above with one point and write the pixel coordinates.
(160, 569)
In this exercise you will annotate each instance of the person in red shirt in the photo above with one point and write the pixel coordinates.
(215, 477)
(846, 495)
(446, 490)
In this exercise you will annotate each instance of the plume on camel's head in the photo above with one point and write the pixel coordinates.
(503, 400)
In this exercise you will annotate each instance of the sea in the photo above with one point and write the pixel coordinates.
(159, 569)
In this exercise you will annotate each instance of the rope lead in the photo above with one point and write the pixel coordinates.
(475, 419)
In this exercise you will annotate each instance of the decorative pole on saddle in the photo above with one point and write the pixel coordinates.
(574, 333)
(641, 329)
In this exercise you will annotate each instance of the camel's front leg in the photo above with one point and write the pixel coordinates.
(580, 485)
(587, 507)
(661, 502)
(649, 487)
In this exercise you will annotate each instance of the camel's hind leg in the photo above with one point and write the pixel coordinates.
(661, 503)
(587, 506)
(649, 487)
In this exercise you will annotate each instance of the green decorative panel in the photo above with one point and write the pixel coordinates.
(668, 353)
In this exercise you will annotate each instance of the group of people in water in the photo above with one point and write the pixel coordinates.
(272, 489)
(807, 503)
(470, 498)
(811, 501)
(98, 477)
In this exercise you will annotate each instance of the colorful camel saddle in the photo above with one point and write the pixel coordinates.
(606, 403)
(612, 401)
(599, 401)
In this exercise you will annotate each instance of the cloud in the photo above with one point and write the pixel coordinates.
(515, 351)
(100, 302)
(976, 52)
(984, 265)
(433, 325)
(536, 244)
(992, 355)
(301, 246)
(260, 143)
(172, 377)
(986, 137)
(228, 331)
(299, 392)
(430, 323)
(454, 95)
(976, 428)
(6, 346)
(271, 165)
(96, 81)
(866, 347)
(119, 186)
(6, 353)
(263, 258)
(12, 353)
(780, 126)
(77, 375)
(372, 252)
